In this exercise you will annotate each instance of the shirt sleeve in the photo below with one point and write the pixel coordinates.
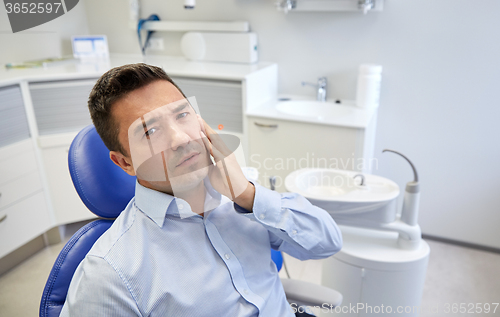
(97, 290)
(295, 226)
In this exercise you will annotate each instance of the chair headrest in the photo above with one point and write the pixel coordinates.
(103, 187)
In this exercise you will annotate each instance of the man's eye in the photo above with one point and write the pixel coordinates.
(182, 115)
(150, 132)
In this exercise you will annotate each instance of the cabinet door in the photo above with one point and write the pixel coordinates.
(345, 278)
(279, 147)
(219, 101)
(66, 203)
(22, 221)
(13, 123)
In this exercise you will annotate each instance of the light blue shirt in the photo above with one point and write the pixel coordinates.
(161, 259)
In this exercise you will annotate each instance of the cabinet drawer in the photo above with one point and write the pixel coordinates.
(17, 160)
(23, 222)
(19, 188)
(61, 106)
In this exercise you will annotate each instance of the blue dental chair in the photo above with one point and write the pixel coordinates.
(89, 164)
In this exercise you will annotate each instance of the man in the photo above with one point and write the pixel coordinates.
(181, 247)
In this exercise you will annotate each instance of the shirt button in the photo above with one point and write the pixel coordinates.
(262, 217)
(245, 291)
(181, 206)
(227, 256)
(294, 231)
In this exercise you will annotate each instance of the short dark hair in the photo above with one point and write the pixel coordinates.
(111, 87)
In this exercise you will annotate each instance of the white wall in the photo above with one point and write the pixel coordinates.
(52, 39)
(439, 104)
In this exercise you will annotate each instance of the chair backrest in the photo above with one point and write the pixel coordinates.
(106, 190)
(103, 187)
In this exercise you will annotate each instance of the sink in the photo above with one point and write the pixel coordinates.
(341, 195)
(311, 108)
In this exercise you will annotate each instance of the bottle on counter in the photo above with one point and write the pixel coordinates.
(368, 89)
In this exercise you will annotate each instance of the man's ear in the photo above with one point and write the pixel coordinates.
(122, 161)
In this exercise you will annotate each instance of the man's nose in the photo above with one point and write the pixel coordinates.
(178, 138)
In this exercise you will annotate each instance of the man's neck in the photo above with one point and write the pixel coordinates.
(195, 197)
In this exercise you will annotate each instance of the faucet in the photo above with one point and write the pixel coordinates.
(321, 85)
(366, 5)
(286, 5)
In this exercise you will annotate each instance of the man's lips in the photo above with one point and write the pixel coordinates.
(187, 158)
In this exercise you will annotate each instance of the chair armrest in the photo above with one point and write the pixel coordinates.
(309, 294)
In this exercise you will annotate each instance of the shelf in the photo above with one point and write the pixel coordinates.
(186, 26)
(334, 5)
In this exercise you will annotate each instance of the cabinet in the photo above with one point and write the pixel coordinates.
(61, 111)
(279, 147)
(24, 212)
(42, 111)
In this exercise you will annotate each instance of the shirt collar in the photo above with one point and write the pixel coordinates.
(156, 205)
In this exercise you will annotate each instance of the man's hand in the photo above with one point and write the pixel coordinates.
(226, 176)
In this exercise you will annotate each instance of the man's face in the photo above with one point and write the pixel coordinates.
(160, 133)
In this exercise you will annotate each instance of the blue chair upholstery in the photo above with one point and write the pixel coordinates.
(277, 258)
(56, 288)
(95, 177)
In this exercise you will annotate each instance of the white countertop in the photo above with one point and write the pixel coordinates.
(378, 250)
(359, 118)
(174, 66)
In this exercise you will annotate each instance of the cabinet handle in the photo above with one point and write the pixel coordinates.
(3, 218)
(266, 125)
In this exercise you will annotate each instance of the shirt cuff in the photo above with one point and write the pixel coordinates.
(242, 210)
(266, 206)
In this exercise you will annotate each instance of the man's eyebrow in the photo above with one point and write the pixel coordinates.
(143, 126)
(180, 107)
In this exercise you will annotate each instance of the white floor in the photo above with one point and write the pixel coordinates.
(455, 275)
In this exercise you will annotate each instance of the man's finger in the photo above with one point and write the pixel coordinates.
(207, 143)
(217, 155)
